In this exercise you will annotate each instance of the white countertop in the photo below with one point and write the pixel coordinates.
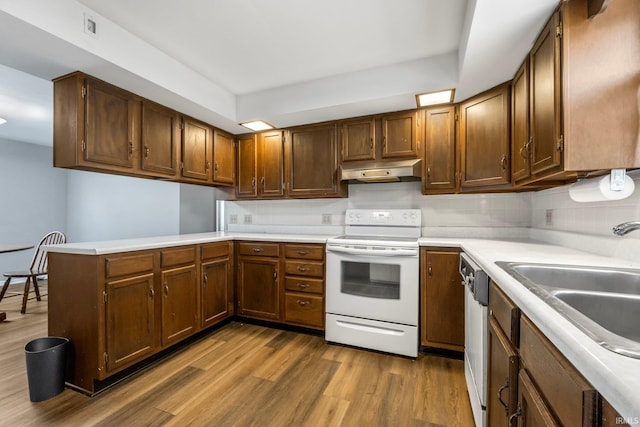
(615, 376)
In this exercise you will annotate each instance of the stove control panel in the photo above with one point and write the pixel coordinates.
(384, 217)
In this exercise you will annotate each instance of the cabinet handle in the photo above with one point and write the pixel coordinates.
(207, 165)
(130, 148)
(430, 270)
(303, 269)
(384, 142)
(429, 174)
(253, 182)
(303, 285)
(257, 250)
(275, 275)
(166, 289)
(500, 390)
(215, 166)
(262, 183)
(206, 279)
(515, 415)
(302, 303)
(371, 143)
(503, 162)
(303, 253)
(152, 293)
(146, 151)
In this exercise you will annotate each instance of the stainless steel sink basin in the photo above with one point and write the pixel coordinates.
(602, 302)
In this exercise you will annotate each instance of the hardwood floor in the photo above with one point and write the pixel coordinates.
(243, 375)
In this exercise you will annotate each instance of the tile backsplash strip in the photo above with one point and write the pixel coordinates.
(442, 215)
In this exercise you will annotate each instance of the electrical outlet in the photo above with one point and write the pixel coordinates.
(247, 219)
(548, 217)
(90, 25)
(233, 219)
(326, 218)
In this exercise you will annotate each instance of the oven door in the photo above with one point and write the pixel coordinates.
(373, 284)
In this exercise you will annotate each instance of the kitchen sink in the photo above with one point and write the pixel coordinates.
(603, 302)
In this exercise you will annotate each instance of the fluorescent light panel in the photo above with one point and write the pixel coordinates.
(257, 125)
(435, 98)
(2, 121)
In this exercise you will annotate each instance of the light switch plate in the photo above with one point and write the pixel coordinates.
(326, 219)
(247, 219)
(548, 220)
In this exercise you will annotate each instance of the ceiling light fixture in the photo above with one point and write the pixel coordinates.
(257, 125)
(435, 98)
(2, 121)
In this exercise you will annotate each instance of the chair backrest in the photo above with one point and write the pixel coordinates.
(40, 262)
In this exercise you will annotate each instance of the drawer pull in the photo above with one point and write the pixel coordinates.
(303, 253)
(302, 303)
(303, 285)
(302, 269)
(257, 250)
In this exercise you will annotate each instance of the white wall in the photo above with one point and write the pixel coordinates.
(33, 198)
(197, 209)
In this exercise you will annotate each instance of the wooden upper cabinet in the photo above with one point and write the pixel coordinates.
(160, 139)
(520, 139)
(271, 164)
(109, 124)
(545, 99)
(196, 150)
(247, 166)
(358, 139)
(399, 135)
(484, 140)
(224, 164)
(312, 161)
(440, 151)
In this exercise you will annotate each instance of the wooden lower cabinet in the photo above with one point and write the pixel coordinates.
(502, 384)
(259, 287)
(179, 303)
(130, 309)
(442, 299)
(532, 409)
(304, 285)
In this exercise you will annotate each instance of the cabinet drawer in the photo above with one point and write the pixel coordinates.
(505, 312)
(259, 249)
(172, 257)
(299, 284)
(128, 265)
(305, 252)
(304, 268)
(307, 310)
(570, 396)
(214, 250)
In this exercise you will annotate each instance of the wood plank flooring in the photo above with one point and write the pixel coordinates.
(243, 375)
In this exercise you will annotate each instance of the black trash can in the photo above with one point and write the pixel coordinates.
(46, 361)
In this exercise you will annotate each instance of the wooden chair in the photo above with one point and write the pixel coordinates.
(38, 267)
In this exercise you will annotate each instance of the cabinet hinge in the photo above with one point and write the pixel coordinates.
(84, 145)
(106, 359)
(559, 30)
(561, 143)
(284, 137)
(84, 91)
(104, 296)
(181, 124)
(182, 166)
(455, 117)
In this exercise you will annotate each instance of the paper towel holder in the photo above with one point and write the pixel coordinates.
(615, 186)
(617, 179)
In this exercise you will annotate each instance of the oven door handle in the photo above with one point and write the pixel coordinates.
(354, 251)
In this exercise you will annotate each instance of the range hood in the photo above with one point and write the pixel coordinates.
(382, 171)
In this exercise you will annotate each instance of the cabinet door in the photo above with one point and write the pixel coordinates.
(358, 139)
(440, 150)
(442, 301)
(196, 150)
(271, 164)
(216, 283)
(532, 409)
(312, 161)
(179, 303)
(520, 139)
(247, 166)
(109, 124)
(545, 93)
(224, 165)
(502, 379)
(484, 139)
(258, 288)
(129, 320)
(399, 135)
(160, 138)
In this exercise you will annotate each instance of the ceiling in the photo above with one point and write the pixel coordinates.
(286, 61)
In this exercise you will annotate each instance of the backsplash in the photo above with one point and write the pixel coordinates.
(468, 214)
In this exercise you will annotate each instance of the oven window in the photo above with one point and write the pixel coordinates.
(370, 280)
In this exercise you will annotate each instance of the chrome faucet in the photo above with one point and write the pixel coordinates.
(626, 227)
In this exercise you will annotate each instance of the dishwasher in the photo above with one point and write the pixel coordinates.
(476, 312)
